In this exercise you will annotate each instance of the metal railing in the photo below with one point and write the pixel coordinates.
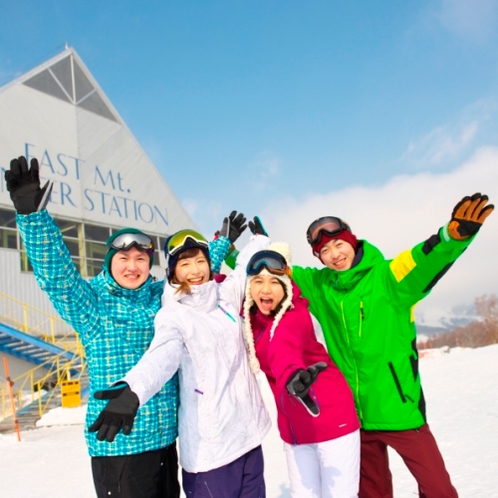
(38, 323)
(31, 387)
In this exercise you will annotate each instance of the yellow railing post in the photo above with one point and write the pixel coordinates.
(32, 384)
(40, 409)
(52, 328)
(25, 315)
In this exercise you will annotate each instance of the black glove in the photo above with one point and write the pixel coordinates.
(300, 383)
(256, 227)
(233, 226)
(468, 216)
(118, 414)
(23, 183)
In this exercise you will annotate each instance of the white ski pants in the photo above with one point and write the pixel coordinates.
(325, 470)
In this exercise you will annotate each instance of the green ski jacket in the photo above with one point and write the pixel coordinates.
(366, 314)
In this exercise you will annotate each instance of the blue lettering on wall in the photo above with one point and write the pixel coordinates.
(45, 161)
(59, 158)
(162, 216)
(124, 207)
(77, 165)
(60, 167)
(146, 213)
(115, 207)
(102, 180)
(65, 192)
(94, 200)
(91, 206)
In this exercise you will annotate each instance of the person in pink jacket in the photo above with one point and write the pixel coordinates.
(315, 409)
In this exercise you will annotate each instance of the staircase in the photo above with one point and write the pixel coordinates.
(28, 347)
(53, 359)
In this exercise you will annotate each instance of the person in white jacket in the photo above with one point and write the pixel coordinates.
(199, 333)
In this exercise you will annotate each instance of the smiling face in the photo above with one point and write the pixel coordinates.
(267, 292)
(130, 269)
(337, 254)
(193, 270)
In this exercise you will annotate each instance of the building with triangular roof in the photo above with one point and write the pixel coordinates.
(103, 179)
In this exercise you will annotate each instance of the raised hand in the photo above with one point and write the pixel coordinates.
(233, 226)
(23, 183)
(257, 227)
(468, 216)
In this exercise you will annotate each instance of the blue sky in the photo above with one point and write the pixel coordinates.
(256, 105)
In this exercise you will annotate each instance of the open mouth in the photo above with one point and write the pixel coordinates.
(266, 304)
(195, 281)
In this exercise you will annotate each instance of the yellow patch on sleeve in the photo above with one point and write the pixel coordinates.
(412, 313)
(402, 265)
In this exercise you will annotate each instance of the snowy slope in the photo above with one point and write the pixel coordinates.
(462, 397)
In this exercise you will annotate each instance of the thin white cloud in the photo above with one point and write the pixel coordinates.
(475, 20)
(404, 211)
(451, 143)
(441, 144)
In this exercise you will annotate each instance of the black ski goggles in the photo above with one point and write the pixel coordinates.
(126, 241)
(272, 261)
(329, 225)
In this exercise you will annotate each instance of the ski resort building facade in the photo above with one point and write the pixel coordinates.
(103, 179)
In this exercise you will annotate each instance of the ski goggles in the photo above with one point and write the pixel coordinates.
(273, 261)
(126, 241)
(184, 239)
(330, 225)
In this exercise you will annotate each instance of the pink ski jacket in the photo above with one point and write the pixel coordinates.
(294, 346)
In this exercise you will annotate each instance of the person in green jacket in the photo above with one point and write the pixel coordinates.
(364, 304)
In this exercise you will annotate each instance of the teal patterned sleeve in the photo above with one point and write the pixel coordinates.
(55, 271)
(218, 250)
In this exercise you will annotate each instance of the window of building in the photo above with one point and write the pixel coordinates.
(8, 229)
(85, 242)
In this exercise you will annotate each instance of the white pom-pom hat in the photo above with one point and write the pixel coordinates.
(284, 250)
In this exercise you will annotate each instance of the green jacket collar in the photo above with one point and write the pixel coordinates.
(346, 280)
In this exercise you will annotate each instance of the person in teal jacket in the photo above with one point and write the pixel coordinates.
(113, 314)
(364, 304)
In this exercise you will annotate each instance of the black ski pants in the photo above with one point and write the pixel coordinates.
(152, 474)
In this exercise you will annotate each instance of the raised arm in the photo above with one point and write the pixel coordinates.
(233, 287)
(54, 270)
(413, 273)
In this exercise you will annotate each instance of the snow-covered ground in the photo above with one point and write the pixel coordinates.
(462, 397)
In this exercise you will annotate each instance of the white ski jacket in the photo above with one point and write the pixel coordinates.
(221, 415)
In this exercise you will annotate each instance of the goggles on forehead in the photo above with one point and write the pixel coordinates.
(329, 225)
(184, 239)
(273, 261)
(126, 241)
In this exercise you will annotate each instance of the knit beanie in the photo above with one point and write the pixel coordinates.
(111, 251)
(345, 235)
(283, 249)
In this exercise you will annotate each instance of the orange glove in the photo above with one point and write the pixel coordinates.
(468, 216)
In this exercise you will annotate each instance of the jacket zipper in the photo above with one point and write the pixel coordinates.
(361, 319)
(357, 387)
